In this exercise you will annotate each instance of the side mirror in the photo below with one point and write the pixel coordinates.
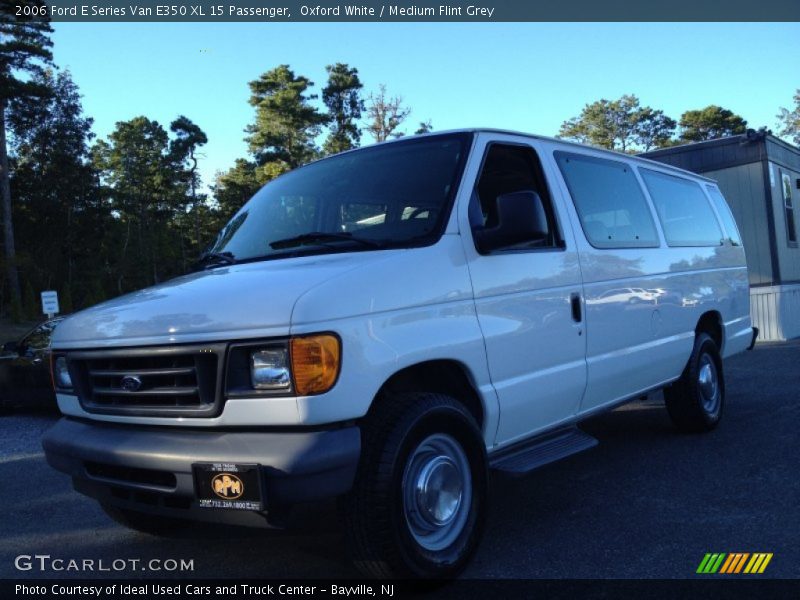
(520, 218)
(11, 348)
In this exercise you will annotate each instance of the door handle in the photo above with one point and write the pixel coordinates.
(37, 361)
(575, 303)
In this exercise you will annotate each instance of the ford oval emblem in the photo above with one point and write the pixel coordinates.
(131, 383)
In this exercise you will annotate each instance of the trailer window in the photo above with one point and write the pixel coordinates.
(786, 189)
(683, 209)
(611, 205)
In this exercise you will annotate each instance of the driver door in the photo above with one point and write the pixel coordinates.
(528, 300)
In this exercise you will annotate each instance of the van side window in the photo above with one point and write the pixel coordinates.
(609, 200)
(683, 209)
(725, 214)
(507, 169)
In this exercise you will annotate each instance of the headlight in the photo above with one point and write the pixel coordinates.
(315, 363)
(269, 369)
(61, 377)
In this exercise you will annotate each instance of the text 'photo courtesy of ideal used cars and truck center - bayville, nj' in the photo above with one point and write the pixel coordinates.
(306, 300)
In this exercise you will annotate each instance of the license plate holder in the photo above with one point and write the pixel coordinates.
(231, 486)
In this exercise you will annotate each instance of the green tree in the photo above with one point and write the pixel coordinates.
(54, 185)
(140, 176)
(234, 188)
(385, 115)
(24, 53)
(342, 97)
(184, 154)
(30, 308)
(621, 124)
(424, 127)
(65, 300)
(95, 294)
(654, 129)
(789, 120)
(286, 124)
(710, 123)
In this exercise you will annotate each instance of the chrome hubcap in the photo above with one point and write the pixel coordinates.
(437, 491)
(709, 383)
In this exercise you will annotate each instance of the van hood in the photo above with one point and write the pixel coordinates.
(233, 302)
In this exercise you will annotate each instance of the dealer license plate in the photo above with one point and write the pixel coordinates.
(226, 485)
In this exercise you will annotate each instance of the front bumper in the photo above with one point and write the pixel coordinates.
(149, 469)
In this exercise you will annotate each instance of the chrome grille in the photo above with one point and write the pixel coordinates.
(158, 381)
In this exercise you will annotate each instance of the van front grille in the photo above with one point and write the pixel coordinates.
(158, 381)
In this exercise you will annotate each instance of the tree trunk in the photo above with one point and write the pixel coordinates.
(8, 224)
(194, 204)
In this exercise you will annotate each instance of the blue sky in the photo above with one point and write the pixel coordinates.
(526, 76)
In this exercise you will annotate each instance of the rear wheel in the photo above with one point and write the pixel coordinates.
(151, 524)
(419, 501)
(696, 400)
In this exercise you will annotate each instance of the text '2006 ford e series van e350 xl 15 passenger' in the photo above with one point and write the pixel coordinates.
(387, 324)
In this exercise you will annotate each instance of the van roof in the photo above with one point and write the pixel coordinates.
(638, 159)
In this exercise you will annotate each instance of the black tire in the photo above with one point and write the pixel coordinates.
(400, 438)
(151, 524)
(695, 402)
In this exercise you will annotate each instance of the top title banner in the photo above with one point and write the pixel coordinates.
(417, 11)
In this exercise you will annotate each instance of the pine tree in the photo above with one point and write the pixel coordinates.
(139, 173)
(342, 97)
(54, 185)
(235, 187)
(789, 120)
(710, 123)
(24, 52)
(621, 124)
(424, 127)
(183, 150)
(286, 124)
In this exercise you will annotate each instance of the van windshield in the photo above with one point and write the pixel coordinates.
(386, 196)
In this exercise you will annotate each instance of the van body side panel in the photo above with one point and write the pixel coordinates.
(636, 343)
(414, 307)
(375, 347)
(737, 325)
(643, 305)
(535, 351)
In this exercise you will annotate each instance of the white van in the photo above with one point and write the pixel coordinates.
(387, 324)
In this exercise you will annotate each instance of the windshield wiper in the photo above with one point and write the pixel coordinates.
(215, 259)
(320, 237)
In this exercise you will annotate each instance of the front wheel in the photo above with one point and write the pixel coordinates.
(696, 400)
(419, 501)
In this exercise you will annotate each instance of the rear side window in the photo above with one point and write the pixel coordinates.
(683, 208)
(610, 202)
(725, 214)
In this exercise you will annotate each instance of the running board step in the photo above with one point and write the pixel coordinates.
(541, 450)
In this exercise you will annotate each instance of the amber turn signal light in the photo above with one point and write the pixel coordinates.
(315, 363)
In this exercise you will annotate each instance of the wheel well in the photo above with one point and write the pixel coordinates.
(441, 376)
(711, 323)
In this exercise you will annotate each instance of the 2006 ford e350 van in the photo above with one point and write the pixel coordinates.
(386, 324)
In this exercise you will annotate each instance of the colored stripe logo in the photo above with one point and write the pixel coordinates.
(734, 563)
